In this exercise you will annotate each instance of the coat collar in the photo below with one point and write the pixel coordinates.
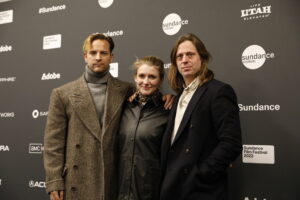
(189, 110)
(83, 104)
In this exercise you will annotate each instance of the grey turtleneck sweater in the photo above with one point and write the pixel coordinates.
(97, 84)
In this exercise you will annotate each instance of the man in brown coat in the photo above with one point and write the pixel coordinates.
(79, 143)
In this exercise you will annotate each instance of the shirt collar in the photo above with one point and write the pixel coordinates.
(192, 86)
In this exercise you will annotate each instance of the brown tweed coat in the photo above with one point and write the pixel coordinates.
(79, 155)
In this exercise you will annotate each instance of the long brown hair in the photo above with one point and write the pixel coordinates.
(175, 78)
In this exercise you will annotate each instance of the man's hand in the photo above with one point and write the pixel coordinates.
(57, 195)
(169, 100)
(131, 98)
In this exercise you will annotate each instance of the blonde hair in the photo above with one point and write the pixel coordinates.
(97, 36)
(151, 61)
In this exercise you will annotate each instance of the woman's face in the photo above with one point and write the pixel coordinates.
(147, 79)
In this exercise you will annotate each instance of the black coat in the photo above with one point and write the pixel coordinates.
(207, 141)
(140, 137)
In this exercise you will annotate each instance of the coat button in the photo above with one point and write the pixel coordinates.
(73, 189)
(187, 150)
(77, 146)
(75, 166)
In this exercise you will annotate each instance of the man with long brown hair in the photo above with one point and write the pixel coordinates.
(203, 135)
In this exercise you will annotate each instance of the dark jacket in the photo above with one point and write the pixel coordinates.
(140, 138)
(207, 141)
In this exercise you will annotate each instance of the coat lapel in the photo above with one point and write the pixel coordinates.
(189, 110)
(115, 96)
(83, 105)
(166, 142)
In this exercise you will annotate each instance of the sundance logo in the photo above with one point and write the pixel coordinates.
(52, 9)
(114, 33)
(7, 114)
(172, 24)
(259, 107)
(5, 48)
(36, 114)
(254, 56)
(37, 184)
(36, 148)
(256, 11)
(105, 3)
(4, 148)
(167, 65)
(50, 76)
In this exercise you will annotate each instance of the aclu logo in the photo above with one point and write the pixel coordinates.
(50, 76)
(254, 56)
(4, 148)
(172, 24)
(5, 48)
(7, 115)
(105, 3)
(36, 148)
(36, 113)
(256, 11)
(37, 184)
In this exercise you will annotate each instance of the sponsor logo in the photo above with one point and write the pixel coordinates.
(114, 33)
(254, 198)
(36, 148)
(2, 1)
(105, 3)
(7, 114)
(167, 65)
(5, 48)
(172, 24)
(114, 69)
(261, 154)
(6, 16)
(37, 184)
(8, 79)
(52, 9)
(259, 107)
(52, 42)
(36, 114)
(4, 148)
(254, 56)
(50, 76)
(256, 11)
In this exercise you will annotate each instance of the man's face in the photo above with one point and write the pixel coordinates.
(98, 57)
(188, 61)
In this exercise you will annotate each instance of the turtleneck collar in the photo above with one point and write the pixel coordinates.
(94, 77)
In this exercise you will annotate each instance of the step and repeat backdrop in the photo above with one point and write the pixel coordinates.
(255, 47)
